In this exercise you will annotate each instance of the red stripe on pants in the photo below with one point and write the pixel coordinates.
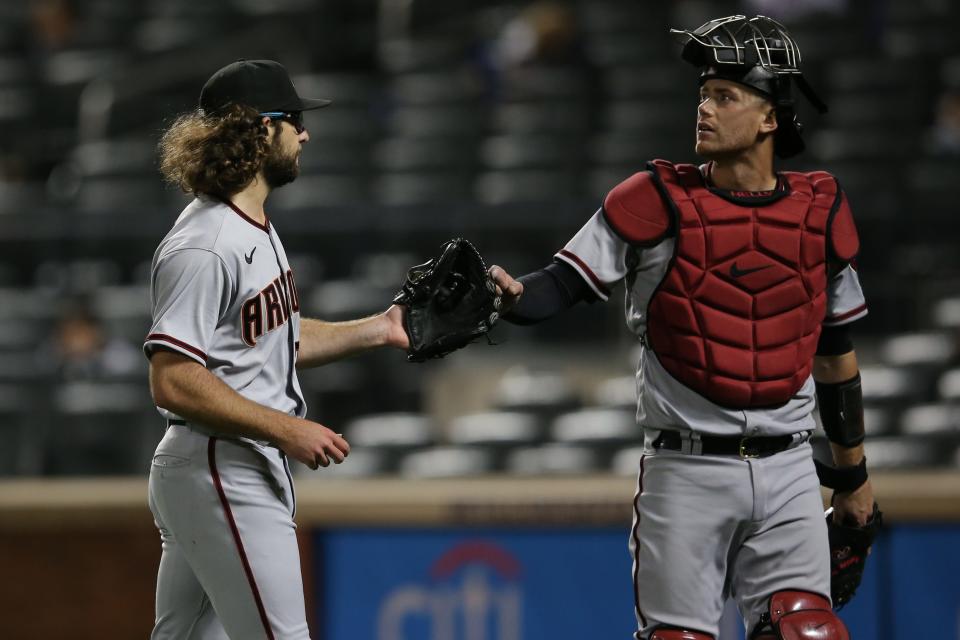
(211, 457)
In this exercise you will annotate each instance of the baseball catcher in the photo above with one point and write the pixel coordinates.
(451, 301)
(740, 283)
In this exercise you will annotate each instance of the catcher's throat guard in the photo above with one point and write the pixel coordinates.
(450, 299)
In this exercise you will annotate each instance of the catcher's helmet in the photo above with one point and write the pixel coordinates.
(759, 53)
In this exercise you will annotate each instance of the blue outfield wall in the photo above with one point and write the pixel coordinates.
(559, 584)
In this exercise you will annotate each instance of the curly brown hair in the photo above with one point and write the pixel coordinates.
(214, 154)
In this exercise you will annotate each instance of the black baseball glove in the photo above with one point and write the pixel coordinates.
(450, 302)
(849, 546)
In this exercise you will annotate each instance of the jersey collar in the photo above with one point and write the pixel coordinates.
(265, 227)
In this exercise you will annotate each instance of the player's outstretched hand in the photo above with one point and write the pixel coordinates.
(316, 446)
(508, 289)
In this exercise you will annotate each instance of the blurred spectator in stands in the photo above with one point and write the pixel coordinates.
(544, 32)
(943, 137)
(50, 28)
(80, 349)
(52, 24)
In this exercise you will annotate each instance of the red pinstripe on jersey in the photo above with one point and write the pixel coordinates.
(162, 337)
(844, 316)
(597, 283)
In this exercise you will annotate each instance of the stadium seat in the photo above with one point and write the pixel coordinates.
(528, 186)
(362, 462)
(564, 120)
(544, 84)
(394, 431)
(446, 462)
(602, 427)
(904, 453)
(919, 349)
(418, 187)
(407, 153)
(437, 86)
(101, 429)
(553, 459)
(946, 313)
(931, 420)
(948, 387)
(883, 385)
(456, 120)
(542, 393)
(530, 152)
(617, 393)
(21, 450)
(495, 429)
(626, 461)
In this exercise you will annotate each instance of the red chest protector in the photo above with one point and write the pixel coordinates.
(737, 315)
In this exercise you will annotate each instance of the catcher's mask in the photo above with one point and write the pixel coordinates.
(758, 53)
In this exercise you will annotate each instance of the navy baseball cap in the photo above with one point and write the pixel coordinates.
(264, 85)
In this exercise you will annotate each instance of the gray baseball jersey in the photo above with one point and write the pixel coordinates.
(602, 258)
(707, 528)
(223, 294)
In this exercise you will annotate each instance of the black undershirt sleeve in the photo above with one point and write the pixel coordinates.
(834, 341)
(547, 292)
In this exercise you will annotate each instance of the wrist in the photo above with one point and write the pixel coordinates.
(285, 431)
(379, 335)
(842, 479)
(846, 456)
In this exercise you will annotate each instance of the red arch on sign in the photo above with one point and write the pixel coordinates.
(476, 552)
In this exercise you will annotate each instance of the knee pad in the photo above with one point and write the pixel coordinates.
(800, 615)
(673, 633)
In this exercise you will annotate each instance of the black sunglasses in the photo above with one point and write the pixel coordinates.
(293, 117)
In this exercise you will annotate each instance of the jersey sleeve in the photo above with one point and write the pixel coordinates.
(597, 254)
(190, 292)
(845, 300)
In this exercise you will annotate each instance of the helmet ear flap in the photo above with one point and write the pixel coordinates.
(787, 141)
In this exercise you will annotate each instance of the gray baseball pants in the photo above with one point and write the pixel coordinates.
(709, 528)
(230, 566)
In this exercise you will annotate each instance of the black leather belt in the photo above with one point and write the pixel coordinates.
(746, 447)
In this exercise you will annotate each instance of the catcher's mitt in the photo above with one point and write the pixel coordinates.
(450, 302)
(849, 546)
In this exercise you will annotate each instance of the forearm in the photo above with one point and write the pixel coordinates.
(834, 370)
(323, 342)
(190, 390)
(846, 456)
(547, 293)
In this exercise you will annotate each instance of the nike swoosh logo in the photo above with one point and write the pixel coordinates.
(249, 258)
(736, 272)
